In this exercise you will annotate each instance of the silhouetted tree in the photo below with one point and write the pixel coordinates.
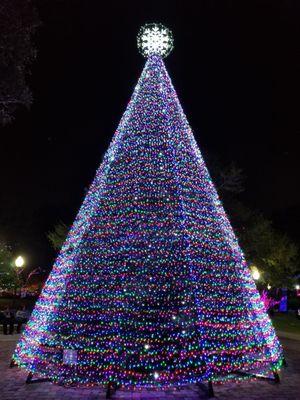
(58, 235)
(8, 275)
(18, 21)
(272, 251)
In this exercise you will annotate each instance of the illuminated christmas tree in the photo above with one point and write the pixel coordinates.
(151, 288)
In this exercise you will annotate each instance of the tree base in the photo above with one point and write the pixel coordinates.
(209, 390)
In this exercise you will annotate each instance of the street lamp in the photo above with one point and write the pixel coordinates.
(269, 287)
(297, 287)
(19, 262)
(255, 273)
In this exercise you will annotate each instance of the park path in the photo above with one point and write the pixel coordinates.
(13, 387)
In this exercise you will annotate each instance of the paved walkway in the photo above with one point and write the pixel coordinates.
(13, 387)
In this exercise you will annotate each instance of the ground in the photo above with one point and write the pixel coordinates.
(286, 322)
(13, 387)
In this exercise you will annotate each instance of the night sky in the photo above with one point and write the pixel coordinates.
(236, 70)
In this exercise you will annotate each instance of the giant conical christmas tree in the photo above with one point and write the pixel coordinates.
(151, 287)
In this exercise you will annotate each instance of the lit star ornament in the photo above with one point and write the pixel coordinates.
(155, 39)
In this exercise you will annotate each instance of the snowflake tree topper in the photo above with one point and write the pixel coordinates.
(155, 39)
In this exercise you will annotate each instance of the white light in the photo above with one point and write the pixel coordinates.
(147, 347)
(183, 332)
(269, 287)
(156, 375)
(155, 39)
(174, 317)
(297, 287)
(256, 275)
(19, 262)
(255, 272)
(69, 357)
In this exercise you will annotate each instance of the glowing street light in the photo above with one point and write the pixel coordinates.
(255, 273)
(269, 287)
(19, 262)
(297, 287)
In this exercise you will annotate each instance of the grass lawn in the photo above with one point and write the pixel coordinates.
(286, 322)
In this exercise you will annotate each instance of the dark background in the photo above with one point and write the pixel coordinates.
(235, 67)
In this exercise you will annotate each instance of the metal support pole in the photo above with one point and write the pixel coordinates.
(284, 363)
(109, 390)
(29, 378)
(12, 363)
(210, 390)
(276, 377)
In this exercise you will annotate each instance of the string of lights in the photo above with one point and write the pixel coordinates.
(151, 288)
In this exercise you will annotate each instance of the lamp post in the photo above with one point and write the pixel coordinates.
(19, 266)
